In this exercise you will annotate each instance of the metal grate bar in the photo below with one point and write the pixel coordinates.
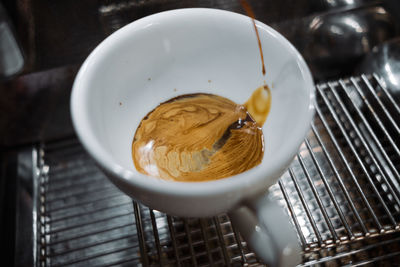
(307, 208)
(363, 249)
(222, 242)
(63, 251)
(240, 246)
(365, 146)
(76, 169)
(94, 210)
(71, 227)
(190, 243)
(129, 261)
(341, 192)
(378, 143)
(140, 233)
(88, 234)
(293, 215)
(91, 176)
(356, 156)
(316, 196)
(378, 100)
(382, 127)
(102, 195)
(156, 237)
(329, 189)
(80, 260)
(87, 211)
(206, 240)
(387, 94)
(377, 259)
(197, 230)
(81, 192)
(341, 184)
(77, 248)
(43, 239)
(348, 168)
(172, 233)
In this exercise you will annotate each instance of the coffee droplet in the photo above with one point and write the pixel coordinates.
(259, 104)
(198, 137)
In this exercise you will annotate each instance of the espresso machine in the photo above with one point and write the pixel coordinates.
(341, 192)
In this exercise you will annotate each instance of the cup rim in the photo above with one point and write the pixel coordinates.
(80, 96)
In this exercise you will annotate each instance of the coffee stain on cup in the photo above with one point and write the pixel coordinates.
(198, 137)
(259, 104)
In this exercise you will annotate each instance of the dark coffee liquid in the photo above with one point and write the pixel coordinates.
(197, 137)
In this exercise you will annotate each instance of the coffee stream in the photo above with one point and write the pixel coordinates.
(259, 103)
(202, 137)
(197, 137)
(249, 11)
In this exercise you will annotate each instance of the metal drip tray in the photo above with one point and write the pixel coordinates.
(341, 192)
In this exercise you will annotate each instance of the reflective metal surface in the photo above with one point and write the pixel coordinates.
(35, 107)
(331, 4)
(384, 60)
(11, 56)
(26, 203)
(335, 43)
(341, 191)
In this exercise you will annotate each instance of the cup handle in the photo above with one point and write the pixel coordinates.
(268, 231)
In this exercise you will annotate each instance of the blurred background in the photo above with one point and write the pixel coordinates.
(44, 42)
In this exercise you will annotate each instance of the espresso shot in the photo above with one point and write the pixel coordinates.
(197, 137)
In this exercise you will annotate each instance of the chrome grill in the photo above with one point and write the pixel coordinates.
(341, 192)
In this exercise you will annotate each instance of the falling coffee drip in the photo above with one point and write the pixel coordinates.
(259, 103)
(249, 11)
(197, 137)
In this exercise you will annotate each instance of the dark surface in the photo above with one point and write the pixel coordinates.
(58, 35)
(35, 107)
(64, 32)
(8, 189)
(24, 220)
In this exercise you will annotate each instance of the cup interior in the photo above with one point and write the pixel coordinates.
(181, 52)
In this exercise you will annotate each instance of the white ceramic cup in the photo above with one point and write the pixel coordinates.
(187, 51)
